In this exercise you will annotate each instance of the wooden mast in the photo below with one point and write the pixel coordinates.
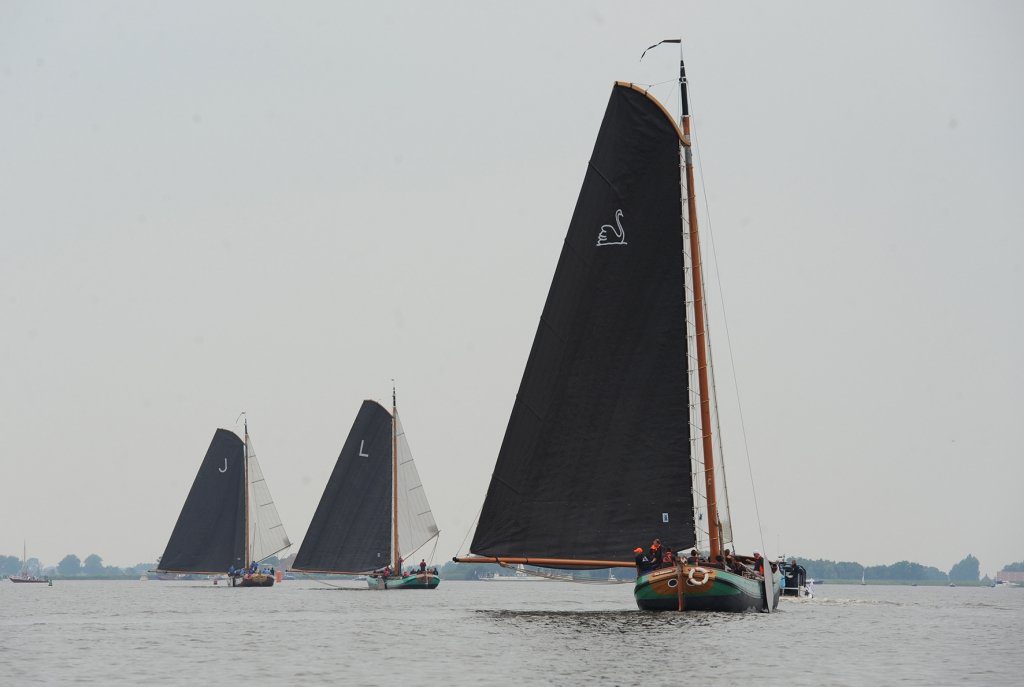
(699, 325)
(245, 479)
(394, 479)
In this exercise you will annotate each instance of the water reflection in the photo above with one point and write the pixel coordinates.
(615, 622)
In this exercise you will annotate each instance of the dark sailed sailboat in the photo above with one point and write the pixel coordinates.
(229, 523)
(604, 449)
(373, 508)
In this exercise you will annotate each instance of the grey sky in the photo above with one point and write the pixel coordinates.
(278, 207)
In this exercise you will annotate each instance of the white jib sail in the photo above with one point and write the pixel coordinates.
(266, 532)
(416, 524)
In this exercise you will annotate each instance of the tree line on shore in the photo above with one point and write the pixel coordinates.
(72, 566)
(967, 570)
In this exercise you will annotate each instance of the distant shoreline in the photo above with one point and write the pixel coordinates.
(902, 583)
(856, 583)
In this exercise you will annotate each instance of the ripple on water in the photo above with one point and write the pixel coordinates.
(550, 632)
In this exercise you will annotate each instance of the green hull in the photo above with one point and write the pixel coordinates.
(419, 581)
(699, 589)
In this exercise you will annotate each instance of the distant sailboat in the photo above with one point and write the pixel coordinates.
(229, 521)
(610, 439)
(24, 577)
(373, 510)
(520, 575)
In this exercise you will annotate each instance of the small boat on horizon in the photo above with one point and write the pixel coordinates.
(520, 575)
(374, 510)
(23, 577)
(229, 524)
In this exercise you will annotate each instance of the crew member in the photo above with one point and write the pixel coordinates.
(655, 552)
(643, 561)
(758, 563)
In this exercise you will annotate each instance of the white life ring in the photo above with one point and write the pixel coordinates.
(698, 582)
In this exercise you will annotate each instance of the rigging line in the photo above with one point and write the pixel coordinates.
(725, 326)
(413, 552)
(472, 525)
(313, 579)
(659, 83)
(437, 538)
(537, 572)
(274, 554)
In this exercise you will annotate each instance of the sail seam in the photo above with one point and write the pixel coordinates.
(591, 164)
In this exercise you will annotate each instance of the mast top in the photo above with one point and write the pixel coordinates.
(679, 41)
(684, 100)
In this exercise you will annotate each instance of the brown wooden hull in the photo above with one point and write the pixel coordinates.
(253, 581)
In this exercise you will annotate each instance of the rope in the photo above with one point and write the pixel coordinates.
(472, 525)
(659, 83)
(336, 586)
(562, 578)
(725, 323)
(433, 550)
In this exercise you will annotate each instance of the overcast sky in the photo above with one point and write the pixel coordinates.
(277, 207)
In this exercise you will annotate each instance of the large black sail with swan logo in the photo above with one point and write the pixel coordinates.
(596, 457)
(351, 529)
(209, 536)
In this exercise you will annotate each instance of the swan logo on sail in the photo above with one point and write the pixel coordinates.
(618, 233)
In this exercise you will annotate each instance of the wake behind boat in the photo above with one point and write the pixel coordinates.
(373, 509)
(229, 523)
(610, 441)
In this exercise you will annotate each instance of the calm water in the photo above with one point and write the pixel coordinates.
(473, 633)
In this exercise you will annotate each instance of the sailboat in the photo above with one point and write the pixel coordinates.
(373, 510)
(229, 523)
(610, 440)
(520, 575)
(24, 576)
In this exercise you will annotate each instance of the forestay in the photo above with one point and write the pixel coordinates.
(416, 524)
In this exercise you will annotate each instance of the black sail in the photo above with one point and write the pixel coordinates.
(210, 533)
(351, 529)
(596, 457)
